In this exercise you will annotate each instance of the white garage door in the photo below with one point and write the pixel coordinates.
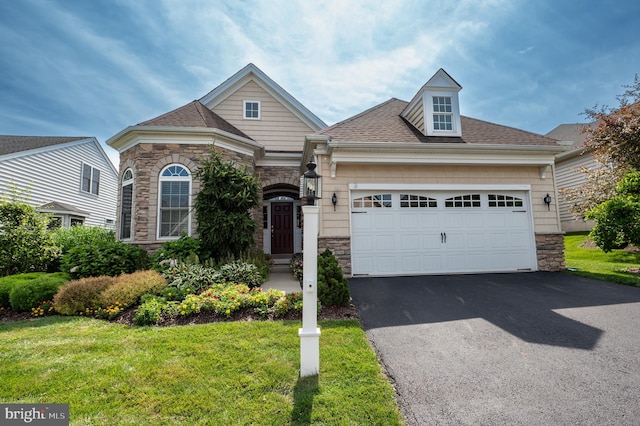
(430, 232)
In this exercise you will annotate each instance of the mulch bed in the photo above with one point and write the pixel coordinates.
(126, 317)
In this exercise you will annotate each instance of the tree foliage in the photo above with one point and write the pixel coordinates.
(26, 244)
(617, 220)
(223, 206)
(614, 140)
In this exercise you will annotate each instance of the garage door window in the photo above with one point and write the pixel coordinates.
(497, 200)
(417, 201)
(373, 201)
(462, 201)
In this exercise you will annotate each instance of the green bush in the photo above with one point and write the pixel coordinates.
(26, 245)
(7, 283)
(153, 309)
(296, 266)
(128, 288)
(183, 249)
(80, 235)
(81, 296)
(192, 278)
(333, 288)
(28, 294)
(5, 289)
(105, 258)
(241, 273)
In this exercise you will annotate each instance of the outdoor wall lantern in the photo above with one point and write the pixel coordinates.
(547, 201)
(310, 184)
(334, 201)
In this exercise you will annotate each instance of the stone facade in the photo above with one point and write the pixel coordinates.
(550, 250)
(341, 248)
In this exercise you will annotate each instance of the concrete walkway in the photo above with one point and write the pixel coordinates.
(281, 278)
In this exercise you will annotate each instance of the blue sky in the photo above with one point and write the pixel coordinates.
(92, 68)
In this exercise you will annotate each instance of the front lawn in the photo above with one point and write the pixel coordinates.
(219, 373)
(594, 263)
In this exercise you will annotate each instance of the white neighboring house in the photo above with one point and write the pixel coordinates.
(572, 137)
(70, 177)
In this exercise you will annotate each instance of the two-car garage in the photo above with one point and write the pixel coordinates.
(432, 230)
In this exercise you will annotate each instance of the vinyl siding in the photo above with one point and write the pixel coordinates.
(569, 177)
(277, 129)
(336, 224)
(416, 117)
(55, 175)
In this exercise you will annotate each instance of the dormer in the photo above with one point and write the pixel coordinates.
(435, 110)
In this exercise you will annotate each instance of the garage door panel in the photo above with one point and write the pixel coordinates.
(431, 238)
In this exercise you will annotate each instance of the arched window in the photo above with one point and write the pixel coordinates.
(174, 202)
(126, 209)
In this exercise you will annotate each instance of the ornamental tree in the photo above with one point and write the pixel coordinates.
(223, 206)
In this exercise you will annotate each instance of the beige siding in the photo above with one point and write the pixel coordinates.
(569, 177)
(336, 224)
(278, 129)
(416, 116)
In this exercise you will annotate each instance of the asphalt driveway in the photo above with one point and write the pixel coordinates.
(532, 348)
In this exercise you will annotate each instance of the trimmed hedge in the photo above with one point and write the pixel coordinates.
(30, 293)
(81, 296)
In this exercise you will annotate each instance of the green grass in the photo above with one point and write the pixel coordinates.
(236, 373)
(594, 263)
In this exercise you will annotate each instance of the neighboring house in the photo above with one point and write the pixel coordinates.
(568, 163)
(419, 189)
(69, 177)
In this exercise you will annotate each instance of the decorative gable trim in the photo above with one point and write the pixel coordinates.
(253, 73)
(435, 109)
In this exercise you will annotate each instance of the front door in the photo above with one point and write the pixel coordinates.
(281, 228)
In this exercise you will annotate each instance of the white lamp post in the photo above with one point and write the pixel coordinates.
(310, 333)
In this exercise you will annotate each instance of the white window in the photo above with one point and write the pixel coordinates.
(442, 113)
(252, 110)
(417, 201)
(498, 200)
(373, 201)
(174, 204)
(462, 201)
(126, 209)
(90, 179)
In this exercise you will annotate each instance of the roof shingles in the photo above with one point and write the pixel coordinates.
(13, 144)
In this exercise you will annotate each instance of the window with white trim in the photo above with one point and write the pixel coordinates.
(417, 201)
(373, 201)
(442, 113)
(498, 200)
(90, 181)
(462, 201)
(126, 209)
(252, 110)
(174, 203)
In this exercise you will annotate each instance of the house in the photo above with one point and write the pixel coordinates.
(69, 177)
(418, 188)
(568, 164)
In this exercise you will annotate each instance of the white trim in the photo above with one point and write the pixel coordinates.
(244, 109)
(437, 187)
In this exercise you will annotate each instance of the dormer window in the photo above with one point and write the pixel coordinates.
(252, 110)
(442, 113)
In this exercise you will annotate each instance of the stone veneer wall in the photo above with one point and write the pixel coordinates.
(147, 160)
(550, 250)
(341, 248)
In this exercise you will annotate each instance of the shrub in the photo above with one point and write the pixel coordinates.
(81, 296)
(241, 273)
(333, 288)
(7, 283)
(128, 288)
(286, 303)
(106, 258)
(80, 235)
(296, 266)
(192, 278)
(26, 244)
(150, 311)
(183, 249)
(28, 294)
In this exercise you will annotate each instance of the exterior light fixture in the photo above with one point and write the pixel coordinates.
(310, 184)
(547, 201)
(334, 201)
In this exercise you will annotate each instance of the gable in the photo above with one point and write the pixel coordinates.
(278, 128)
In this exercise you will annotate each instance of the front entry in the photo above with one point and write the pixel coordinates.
(281, 228)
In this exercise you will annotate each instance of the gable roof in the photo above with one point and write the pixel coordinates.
(383, 123)
(12, 144)
(194, 114)
(573, 132)
(64, 208)
(253, 73)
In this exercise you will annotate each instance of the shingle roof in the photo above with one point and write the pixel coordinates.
(13, 144)
(58, 206)
(194, 114)
(570, 132)
(383, 123)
